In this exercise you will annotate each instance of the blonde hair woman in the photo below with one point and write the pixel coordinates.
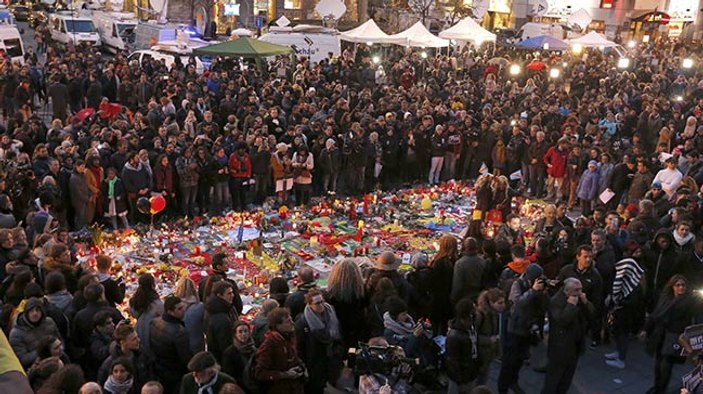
(186, 291)
(345, 292)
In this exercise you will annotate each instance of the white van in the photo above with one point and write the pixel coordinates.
(11, 43)
(313, 42)
(116, 29)
(167, 53)
(533, 29)
(70, 28)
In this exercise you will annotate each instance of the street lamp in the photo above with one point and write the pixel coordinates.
(554, 73)
(376, 60)
(424, 55)
(515, 69)
(577, 48)
(687, 63)
(623, 63)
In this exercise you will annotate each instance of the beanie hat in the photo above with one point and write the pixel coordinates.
(533, 272)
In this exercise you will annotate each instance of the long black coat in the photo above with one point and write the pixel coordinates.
(219, 325)
(461, 359)
(169, 344)
(120, 196)
(567, 329)
(322, 355)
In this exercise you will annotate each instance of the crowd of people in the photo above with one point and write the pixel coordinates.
(625, 145)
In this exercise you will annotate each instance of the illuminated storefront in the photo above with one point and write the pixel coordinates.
(683, 15)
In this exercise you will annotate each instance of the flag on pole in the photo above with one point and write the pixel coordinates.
(483, 170)
(516, 175)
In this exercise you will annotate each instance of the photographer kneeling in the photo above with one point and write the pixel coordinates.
(383, 368)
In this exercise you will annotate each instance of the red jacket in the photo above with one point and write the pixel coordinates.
(275, 356)
(237, 169)
(557, 159)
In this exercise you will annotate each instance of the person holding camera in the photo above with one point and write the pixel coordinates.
(569, 314)
(529, 304)
(278, 367)
(402, 330)
(380, 383)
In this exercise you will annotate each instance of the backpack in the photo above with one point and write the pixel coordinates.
(249, 381)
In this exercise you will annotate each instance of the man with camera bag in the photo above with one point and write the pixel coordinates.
(569, 314)
(529, 303)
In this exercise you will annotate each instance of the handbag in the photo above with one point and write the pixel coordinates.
(670, 345)
(495, 216)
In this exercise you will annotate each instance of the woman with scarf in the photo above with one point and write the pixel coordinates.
(94, 177)
(402, 330)
(491, 304)
(319, 342)
(238, 356)
(683, 238)
(114, 198)
(674, 312)
(121, 378)
(625, 302)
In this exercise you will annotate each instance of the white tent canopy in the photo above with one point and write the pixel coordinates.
(368, 32)
(592, 40)
(417, 35)
(468, 30)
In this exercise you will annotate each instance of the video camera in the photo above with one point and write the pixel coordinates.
(384, 360)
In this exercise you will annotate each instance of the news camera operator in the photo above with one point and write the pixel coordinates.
(384, 368)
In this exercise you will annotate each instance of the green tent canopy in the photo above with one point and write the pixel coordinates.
(245, 47)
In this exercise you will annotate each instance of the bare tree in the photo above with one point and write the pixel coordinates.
(423, 8)
(456, 10)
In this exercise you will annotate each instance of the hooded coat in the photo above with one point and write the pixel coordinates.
(659, 264)
(26, 336)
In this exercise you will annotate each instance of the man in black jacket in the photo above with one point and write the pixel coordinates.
(220, 267)
(219, 319)
(591, 280)
(169, 343)
(114, 289)
(296, 301)
(103, 329)
(569, 314)
(83, 321)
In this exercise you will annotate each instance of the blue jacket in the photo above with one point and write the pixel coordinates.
(588, 185)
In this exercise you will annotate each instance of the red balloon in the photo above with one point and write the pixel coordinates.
(158, 203)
